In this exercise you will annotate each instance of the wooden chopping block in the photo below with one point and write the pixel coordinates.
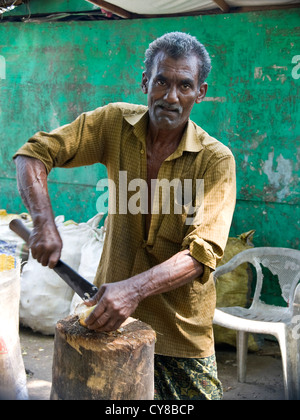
(103, 366)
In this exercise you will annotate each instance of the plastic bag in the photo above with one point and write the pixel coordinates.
(12, 372)
(45, 297)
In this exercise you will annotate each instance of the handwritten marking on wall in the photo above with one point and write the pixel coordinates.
(278, 73)
(271, 73)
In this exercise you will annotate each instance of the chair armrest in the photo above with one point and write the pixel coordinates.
(237, 260)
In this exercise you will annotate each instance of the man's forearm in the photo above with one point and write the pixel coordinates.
(169, 275)
(117, 301)
(45, 241)
(33, 188)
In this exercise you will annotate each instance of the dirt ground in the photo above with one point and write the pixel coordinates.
(264, 370)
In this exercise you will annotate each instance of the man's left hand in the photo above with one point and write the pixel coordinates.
(116, 302)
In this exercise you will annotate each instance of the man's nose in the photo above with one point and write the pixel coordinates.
(171, 95)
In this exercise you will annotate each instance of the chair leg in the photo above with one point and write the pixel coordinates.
(290, 352)
(283, 343)
(242, 351)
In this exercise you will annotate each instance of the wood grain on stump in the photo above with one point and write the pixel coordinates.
(103, 366)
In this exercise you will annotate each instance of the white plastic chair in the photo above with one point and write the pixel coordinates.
(262, 318)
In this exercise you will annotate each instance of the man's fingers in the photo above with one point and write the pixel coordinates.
(46, 245)
(110, 327)
(49, 259)
(98, 323)
(93, 300)
(111, 310)
(53, 260)
(92, 319)
(105, 324)
(101, 320)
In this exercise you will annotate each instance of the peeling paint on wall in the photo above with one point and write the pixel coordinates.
(279, 175)
(54, 120)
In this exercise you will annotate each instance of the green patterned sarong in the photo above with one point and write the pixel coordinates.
(179, 378)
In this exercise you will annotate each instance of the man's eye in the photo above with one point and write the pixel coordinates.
(161, 83)
(186, 86)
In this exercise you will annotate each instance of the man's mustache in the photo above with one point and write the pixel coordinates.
(170, 107)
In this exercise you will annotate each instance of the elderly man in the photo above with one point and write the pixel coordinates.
(156, 265)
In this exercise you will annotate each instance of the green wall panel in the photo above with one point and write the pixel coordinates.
(55, 71)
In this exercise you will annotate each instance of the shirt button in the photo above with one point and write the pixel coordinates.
(142, 151)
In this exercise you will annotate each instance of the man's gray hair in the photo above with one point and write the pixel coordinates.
(177, 45)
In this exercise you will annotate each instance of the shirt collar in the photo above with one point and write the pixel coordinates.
(139, 121)
(190, 142)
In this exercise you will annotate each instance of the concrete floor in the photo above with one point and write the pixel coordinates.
(264, 370)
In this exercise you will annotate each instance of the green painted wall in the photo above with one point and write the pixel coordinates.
(52, 6)
(54, 71)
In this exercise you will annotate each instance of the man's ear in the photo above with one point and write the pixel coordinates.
(201, 93)
(145, 83)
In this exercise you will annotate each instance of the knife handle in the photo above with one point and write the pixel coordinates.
(17, 226)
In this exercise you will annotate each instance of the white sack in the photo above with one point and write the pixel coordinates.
(12, 371)
(45, 297)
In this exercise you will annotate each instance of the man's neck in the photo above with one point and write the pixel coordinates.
(164, 138)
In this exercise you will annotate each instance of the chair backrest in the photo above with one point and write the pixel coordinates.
(296, 309)
(283, 262)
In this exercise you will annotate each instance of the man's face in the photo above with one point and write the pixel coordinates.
(172, 89)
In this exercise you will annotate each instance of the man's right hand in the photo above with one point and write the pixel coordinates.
(46, 244)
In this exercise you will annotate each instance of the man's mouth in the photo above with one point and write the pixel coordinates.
(169, 108)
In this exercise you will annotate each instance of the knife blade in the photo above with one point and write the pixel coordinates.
(80, 285)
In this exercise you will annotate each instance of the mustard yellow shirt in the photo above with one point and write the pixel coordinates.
(115, 135)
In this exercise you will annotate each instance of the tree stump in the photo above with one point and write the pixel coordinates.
(103, 366)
